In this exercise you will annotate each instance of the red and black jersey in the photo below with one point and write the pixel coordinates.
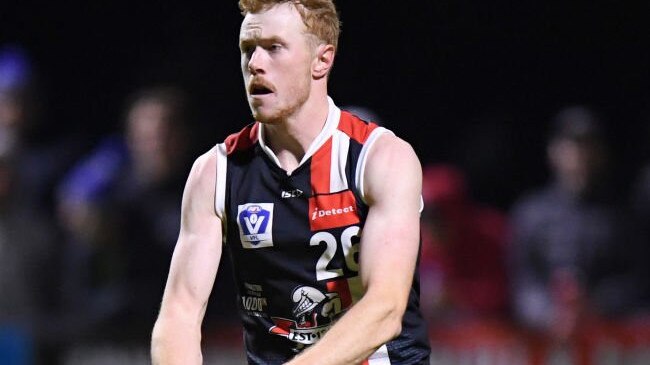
(294, 240)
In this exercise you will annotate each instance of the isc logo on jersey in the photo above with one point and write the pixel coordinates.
(255, 222)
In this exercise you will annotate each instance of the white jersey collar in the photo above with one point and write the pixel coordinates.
(332, 122)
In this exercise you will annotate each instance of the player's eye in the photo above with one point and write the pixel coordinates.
(247, 51)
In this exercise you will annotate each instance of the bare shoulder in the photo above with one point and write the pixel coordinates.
(392, 167)
(202, 177)
(205, 166)
(392, 148)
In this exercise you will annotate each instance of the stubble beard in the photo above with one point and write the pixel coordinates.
(286, 108)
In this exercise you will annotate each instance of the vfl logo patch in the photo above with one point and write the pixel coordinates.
(255, 222)
(332, 210)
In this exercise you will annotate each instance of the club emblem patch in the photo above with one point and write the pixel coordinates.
(315, 310)
(255, 222)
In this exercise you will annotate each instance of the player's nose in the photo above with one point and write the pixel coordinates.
(255, 63)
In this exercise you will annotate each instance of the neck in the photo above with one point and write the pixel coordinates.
(290, 138)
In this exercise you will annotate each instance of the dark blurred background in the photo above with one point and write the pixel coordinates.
(474, 85)
(451, 70)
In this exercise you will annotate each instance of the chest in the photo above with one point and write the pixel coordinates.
(279, 222)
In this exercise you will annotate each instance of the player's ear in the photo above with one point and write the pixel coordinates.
(323, 61)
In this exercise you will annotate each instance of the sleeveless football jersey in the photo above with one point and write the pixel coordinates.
(294, 240)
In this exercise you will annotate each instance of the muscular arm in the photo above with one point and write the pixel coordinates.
(176, 337)
(387, 257)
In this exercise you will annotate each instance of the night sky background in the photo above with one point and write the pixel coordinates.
(467, 82)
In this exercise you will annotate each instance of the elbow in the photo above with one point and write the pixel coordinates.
(156, 345)
(161, 327)
(391, 313)
(394, 323)
(175, 342)
(156, 332)
(158, 336)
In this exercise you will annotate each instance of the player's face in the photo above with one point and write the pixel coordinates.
(276, 59)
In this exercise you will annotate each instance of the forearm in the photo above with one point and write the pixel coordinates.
(176, 342)
(368, 325)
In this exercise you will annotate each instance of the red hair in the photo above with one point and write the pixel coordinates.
(320, 16)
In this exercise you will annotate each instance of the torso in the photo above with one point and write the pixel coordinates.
(294, 239)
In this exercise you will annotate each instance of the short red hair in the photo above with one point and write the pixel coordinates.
(320, 16)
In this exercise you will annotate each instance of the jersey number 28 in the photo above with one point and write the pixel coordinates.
(350, 252)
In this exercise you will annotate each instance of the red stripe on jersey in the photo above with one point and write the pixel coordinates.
(355, 128)
(282, 326)
(343, 289)
(321, 163)
(333, 210)
(365, 362)
(242, 140)
(278, 331)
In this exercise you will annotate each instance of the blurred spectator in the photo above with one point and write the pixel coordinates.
(26, 251)
(17, 111)
(463, 256)
(148, 198)
(572, 254)
(120, 207)
(29, 166)
(40, 156)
